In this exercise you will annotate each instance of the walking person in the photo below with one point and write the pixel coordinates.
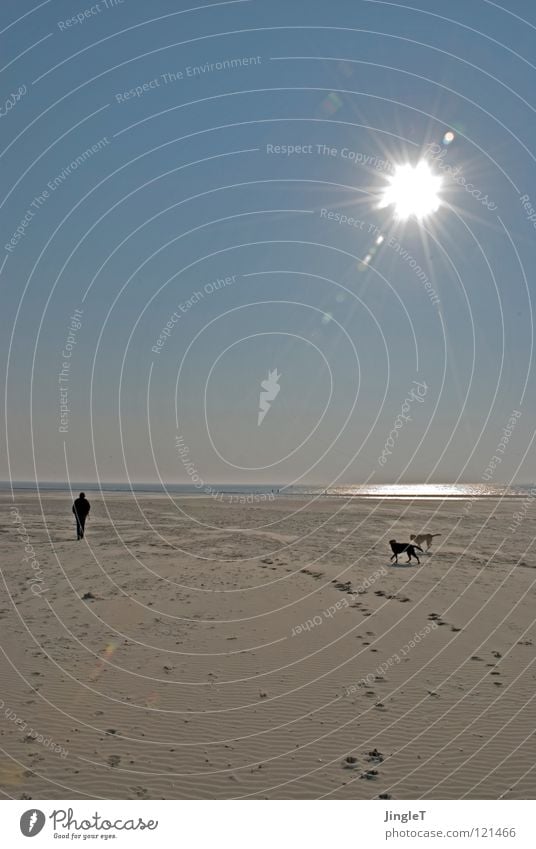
(81, 508)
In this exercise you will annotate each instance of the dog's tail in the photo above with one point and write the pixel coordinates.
(418, 546)
(436, 535)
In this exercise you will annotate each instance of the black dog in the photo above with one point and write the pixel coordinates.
(399, 547)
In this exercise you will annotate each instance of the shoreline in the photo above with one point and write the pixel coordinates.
(266, 495)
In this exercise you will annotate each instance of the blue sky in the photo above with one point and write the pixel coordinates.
(180, 190)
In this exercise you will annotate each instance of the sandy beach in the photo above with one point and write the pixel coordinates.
(197, 648)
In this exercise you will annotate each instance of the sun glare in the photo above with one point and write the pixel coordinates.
(413, 191)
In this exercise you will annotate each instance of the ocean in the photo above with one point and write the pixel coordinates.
(432, 491)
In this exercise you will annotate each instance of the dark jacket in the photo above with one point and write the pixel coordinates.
(81, 507)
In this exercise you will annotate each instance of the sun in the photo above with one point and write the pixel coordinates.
(413, 191)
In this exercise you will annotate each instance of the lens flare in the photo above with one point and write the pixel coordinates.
(412, 191)
(331, 104)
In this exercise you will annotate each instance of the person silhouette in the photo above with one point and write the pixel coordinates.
(81, 508)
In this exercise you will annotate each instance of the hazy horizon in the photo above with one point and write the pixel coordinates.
(5, 484)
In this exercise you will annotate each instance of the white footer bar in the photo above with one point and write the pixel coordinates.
(264, 825)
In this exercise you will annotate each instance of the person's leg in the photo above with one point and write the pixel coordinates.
(82, 526)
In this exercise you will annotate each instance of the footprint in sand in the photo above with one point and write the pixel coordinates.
(370, 774)
(310, 572)
(434, 616)
(374, 757)
(140, 792)
(344, 587)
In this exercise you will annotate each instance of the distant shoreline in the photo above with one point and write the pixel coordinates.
(379, 492)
